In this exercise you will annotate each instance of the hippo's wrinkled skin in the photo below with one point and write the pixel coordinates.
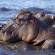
(6, 33)
(29, 28)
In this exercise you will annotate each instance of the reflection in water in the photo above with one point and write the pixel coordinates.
(22, 49)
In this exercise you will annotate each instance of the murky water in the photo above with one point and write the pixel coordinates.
(23, 49)
(8, 9)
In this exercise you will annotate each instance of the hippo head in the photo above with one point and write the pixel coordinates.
(28, 25)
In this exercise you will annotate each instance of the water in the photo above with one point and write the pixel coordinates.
(23, 49)
(8, 9)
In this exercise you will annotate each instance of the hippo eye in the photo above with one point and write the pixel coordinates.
(21, 16)
(25, 18)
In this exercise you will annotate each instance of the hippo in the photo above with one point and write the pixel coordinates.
(30, 29)
(36, 31)
(24, 25)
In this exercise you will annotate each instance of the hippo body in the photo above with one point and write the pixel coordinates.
(46, 37)
(30, 29)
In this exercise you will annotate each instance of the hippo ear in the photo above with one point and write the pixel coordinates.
(54, 19)
(16, 17)
(18, 13)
